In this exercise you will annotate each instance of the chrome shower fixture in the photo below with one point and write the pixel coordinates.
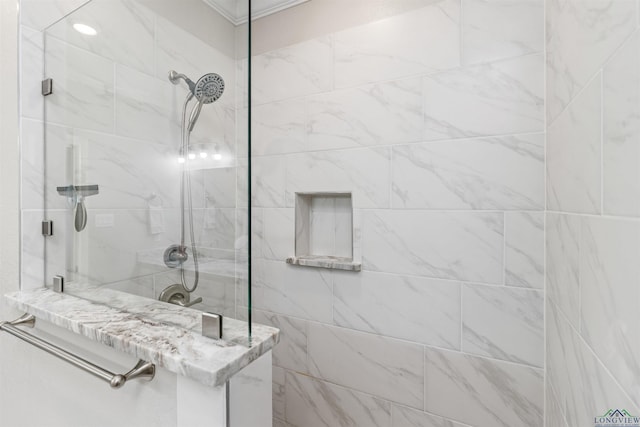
(209, 88)
(175, 77)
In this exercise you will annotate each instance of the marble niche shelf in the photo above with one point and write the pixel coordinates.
(175, 344)
(335, 263)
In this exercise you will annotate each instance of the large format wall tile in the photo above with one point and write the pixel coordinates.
(504, 97)
(377, 365)
(363, 172)
(146, 108)
(178, 49)
(500, 29)
(301, 69)
(585, 387)
(218, 228)
(279, 234)
(488, 173)
(294, 291)
(268, 183)
(482, 392)
(610, 291)
(220, 187)
(32, 182)
(524, 249)
(84, 87)
(421, 41)
(419, 310)
(131, 173)
(115, 238)
(407, 417)
(314, 403)
(291, 351)
(278, 392)
(32, 64)
(581, 35)
(378, 114)
(553, 416)
(574, 155)
(621, 131)
(563, 263)
(279, 127)
(32, 251)
(114, 42)
(455, 245)
(502, 323)
(39, 14)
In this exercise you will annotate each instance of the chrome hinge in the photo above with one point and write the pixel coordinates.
(47, 228)
(47, 87)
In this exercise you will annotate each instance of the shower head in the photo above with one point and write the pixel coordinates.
(209, 88)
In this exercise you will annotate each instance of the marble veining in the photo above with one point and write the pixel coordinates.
(483, 392)
(175, 345)
(305, 395)
(334, 263)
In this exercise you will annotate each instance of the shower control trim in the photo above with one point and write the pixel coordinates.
(175, 256)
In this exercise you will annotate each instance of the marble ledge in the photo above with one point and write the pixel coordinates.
(335, 263)
(181, 350)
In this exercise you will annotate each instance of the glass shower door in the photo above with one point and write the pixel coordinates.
(146, 174)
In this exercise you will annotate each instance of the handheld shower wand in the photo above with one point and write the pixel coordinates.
(208, 89)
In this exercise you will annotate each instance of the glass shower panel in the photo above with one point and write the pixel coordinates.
(145, 174)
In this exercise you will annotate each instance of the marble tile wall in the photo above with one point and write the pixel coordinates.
(114, 106)
(593, 224)
(434, 120)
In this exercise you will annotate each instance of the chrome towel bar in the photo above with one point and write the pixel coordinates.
(142, 370)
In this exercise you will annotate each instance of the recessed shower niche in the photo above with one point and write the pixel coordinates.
(324, 231)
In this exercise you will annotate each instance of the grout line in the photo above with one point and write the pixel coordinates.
(461, 34)
(422, 141)
(504, 248)
(397, 340)
(462, 291)
(544, 214)
(413, 76)
(580, 237)
(602, 141)
(596, 216)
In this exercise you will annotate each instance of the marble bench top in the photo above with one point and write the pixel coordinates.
(175, 345)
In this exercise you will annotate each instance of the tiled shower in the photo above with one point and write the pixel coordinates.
(490, 150)
(433, 117)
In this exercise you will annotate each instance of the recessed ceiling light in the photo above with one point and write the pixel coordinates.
(85, 29)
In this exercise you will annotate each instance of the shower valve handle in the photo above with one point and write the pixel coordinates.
(175, 256)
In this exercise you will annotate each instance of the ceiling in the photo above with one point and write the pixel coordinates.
(236, 10)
